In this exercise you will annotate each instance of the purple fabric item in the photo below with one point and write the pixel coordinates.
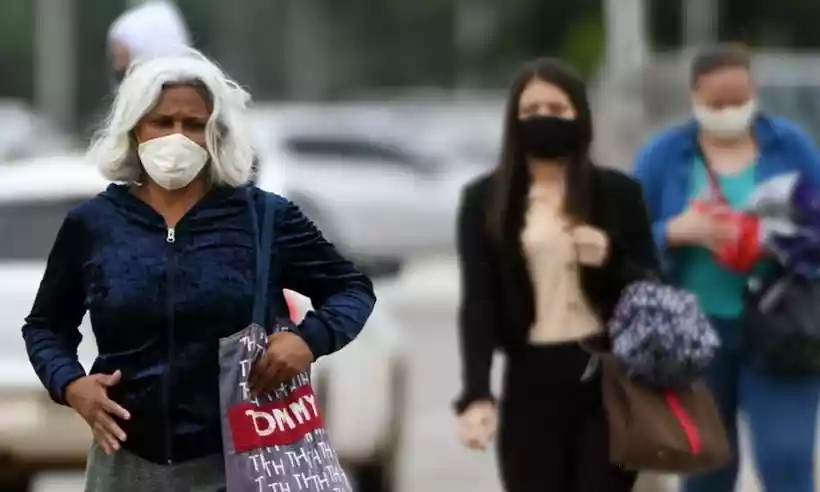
(801, 253)
(307, 462)
(806, 204)
(789, 207)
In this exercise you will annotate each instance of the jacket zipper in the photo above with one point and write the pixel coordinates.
(170, 238)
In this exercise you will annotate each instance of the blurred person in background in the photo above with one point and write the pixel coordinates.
(740, 147)
(154, 28)
(546, 243)
(164, 264)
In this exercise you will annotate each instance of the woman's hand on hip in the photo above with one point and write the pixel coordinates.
(287, 357)
(477, 425)
(591, 244)
(88, 396)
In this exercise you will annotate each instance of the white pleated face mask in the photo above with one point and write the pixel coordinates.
(726, 123)
(172, 161)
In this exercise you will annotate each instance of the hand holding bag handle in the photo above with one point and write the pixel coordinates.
(251, 431)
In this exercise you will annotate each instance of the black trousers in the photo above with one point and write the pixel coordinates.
(553, 431)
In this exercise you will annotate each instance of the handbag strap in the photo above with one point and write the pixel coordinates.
(714, 181)
(263, 242)
(714, 185)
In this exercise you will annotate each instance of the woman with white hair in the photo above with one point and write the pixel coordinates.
(163, 262)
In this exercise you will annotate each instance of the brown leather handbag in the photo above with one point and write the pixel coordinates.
(672, 431)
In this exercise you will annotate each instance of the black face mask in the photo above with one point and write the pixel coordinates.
(550, 137)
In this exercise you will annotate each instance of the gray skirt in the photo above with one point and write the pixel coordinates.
(124, 471)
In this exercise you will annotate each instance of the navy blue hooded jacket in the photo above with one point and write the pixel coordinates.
(159, 299)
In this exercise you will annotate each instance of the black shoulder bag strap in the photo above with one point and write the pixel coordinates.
(263, 242)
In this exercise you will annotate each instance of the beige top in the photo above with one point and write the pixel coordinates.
(562, 312)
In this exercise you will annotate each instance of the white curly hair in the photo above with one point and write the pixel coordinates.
(228, 141)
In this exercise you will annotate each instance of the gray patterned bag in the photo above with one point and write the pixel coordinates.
(275, 443)
(660, 335)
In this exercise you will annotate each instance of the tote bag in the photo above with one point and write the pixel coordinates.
(672, 430)
(277, 442)
(661, 417)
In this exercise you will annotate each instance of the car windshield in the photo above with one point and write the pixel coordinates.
(800, 103)
(29, 227)
(483, 154)
(353, 149)
(346, 147)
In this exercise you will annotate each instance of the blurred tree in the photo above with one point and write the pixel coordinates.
(585, 41)
(532, 28)
(248, 38)
(17, 49)
(359, 44)
(762, 23)
(198, 15)
(93, 65)
(789, 24)
(393, 43)
(665, 23)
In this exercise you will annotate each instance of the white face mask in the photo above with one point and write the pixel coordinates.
(727, 123)
(172, 161)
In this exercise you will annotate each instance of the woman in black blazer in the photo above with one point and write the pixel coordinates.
(546, 243)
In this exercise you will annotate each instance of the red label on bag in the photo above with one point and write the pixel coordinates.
(685, 421)
(278, 423)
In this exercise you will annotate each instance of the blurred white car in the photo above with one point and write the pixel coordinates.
(464, 127)
(363, 386)
(27, 134)
(360, 174)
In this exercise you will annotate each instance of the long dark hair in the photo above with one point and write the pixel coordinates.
(512, 179)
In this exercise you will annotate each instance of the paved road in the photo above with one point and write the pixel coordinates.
(432, 460)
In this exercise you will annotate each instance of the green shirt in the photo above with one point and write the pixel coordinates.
(719, 289)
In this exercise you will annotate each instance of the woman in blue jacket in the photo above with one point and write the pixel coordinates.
(742, 147)
(164, 265)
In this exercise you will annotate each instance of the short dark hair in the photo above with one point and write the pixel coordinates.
(718, 57)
